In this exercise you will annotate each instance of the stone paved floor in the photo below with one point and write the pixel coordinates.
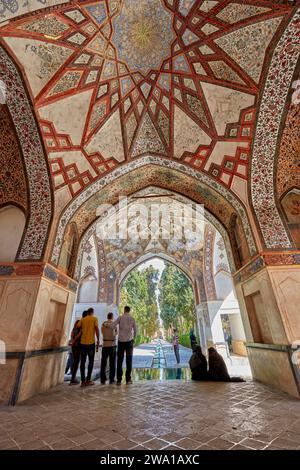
(154, 415)
(143, 355)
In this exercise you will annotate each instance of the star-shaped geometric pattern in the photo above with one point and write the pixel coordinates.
(113, 80)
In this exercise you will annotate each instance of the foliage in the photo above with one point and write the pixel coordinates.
(176, 300)
(139, 292)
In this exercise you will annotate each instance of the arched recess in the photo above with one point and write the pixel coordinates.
(162, 172)
(14, 201)
(239, 248)
(290, 203)
(224, 284)
(12, 223)
(88, 289)
(90, 232)
(265, 146)
(40, 189)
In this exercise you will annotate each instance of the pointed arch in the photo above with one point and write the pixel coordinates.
(207, 191)
(35, 236)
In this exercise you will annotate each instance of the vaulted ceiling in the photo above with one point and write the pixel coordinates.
(109, 259)
(112, 80)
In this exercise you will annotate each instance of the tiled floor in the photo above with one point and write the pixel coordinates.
(154, 415)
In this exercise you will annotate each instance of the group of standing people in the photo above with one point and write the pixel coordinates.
(85, 342)
(118, 339)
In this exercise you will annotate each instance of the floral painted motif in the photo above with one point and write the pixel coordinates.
(36, 167)
(172, 79)
(200, 83)
(12, 8)
(288, 165)
(13, 187)
(273, 101)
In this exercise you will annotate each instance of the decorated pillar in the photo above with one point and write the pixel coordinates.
(36, 303)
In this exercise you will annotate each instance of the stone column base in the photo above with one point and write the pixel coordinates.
(272, 365)
(26, 374)
(36, 303)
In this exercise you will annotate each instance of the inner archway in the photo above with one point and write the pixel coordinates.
(105, 262)
(162, 299)
(175, 306)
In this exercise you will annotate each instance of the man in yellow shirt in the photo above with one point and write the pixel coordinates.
(89, 328)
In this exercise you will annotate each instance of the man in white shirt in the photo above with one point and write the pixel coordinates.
(127, 334)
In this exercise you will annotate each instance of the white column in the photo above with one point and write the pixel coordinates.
(202, 328)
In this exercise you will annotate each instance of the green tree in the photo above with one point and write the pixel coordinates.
(139, 292)
(176, 300)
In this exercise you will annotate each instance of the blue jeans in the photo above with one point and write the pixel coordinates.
(122, 348)
(69, 362)
(87, 350)
(177, 354)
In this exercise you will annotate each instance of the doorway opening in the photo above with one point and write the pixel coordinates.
(162, 300)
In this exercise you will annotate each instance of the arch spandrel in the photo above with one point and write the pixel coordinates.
(90, 233)
(167, 175)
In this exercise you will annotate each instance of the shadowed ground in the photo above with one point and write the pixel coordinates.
(154, 415)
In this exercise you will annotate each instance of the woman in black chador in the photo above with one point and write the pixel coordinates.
(217, 368)
(198, 364)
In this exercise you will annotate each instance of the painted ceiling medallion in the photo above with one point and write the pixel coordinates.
(143, 34)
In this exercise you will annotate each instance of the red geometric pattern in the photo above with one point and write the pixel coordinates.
(146, 106)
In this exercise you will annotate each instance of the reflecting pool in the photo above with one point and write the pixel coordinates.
(180, 373)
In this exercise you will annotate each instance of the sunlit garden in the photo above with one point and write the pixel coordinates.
(161, 297)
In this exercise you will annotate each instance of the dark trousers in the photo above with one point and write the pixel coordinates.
(108, 352)
(87, 351)
(69, 362)
(76, 359)
(177, 355)
(122, 348)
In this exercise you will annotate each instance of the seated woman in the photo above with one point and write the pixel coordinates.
(217, 368)
(198, 364)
